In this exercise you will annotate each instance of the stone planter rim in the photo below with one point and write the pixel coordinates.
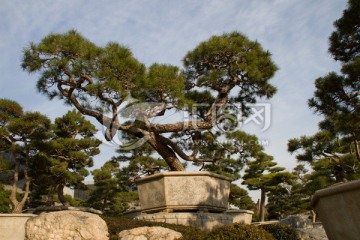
(239, 211)
(17, 215)
(42, 209)
(334, 190)
(182, 173)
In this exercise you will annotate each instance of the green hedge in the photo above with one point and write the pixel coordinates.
(239, 231)
(281, 231)
(235, 231)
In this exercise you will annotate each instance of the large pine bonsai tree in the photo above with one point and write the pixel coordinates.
(98, 81)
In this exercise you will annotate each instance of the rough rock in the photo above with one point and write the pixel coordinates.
(149, 233)
(304, 227)
(63, 225)
(311, 233)
(297, 221)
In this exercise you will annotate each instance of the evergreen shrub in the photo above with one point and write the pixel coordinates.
(281, 231)
(239, 231)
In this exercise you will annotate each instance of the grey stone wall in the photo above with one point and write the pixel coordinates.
(12, 226)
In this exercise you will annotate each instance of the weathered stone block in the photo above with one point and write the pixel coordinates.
(241, 216)
(205, 221)
(182, 191)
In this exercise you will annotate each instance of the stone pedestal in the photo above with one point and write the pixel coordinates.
(240, 216)
(204, 220)
(339, 210)
(197, 199)
(184, 191)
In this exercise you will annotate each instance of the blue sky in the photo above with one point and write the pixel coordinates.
(295, 32)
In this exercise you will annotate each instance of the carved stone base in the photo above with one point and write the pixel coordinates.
(184, 192)
(204, 220)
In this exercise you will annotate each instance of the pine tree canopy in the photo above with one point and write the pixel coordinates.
(100, 80)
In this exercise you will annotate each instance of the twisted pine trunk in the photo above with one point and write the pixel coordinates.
(18, 206)
(262, 205)
(167, 154)
(62, 198)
